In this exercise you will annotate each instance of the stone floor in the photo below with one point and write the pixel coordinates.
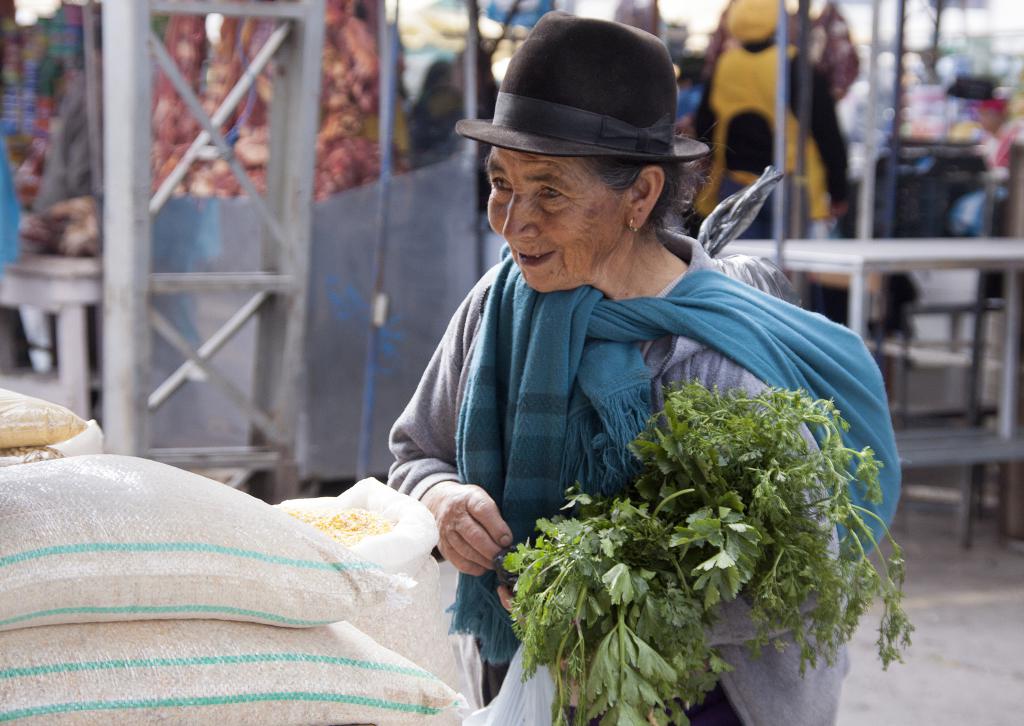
(966, 665)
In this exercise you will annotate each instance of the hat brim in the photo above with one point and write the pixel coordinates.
(683, 149)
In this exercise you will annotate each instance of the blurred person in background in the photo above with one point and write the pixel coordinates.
(999, 131)
(737, 118)
(831, 46)
(690, 91)
(434, 113)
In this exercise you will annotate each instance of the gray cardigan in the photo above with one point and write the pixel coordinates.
(767, 691)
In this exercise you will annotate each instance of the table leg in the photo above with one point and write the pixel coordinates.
(1011, 354)
(73, 358)
(858, 303)
(8, 357)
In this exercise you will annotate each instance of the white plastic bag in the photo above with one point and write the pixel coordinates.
(414, 625)
(518, 703)
(89, 441)
(402, 550)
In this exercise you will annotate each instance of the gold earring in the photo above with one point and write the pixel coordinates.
(632, 225)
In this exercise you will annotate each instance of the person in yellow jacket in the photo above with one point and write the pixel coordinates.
(736, 117)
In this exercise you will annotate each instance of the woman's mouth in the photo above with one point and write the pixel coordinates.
(534, 260)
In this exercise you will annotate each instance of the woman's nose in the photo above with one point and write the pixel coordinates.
(519, 220)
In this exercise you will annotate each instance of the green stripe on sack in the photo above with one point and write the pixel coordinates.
(202, 547)
(184, 702)
(215, 660)
(163, 609)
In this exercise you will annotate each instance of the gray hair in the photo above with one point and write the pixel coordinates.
(683, 180)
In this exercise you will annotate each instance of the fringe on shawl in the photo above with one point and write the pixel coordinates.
(598, 457)
(597, 440)
(479, 612)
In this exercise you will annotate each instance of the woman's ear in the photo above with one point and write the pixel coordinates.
(644, 193)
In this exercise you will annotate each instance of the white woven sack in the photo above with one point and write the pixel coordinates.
(27, 421)
(209, 672)
(103, 538)
(416, 626)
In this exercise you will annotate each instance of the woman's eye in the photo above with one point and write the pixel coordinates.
(550, 193)
(499, 185)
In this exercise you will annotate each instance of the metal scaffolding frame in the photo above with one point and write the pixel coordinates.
(278, 290)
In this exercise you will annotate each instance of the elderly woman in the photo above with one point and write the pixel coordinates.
(557, 357)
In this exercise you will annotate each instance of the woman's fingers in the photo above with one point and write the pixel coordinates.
(460, 563)
(477, 537)
(472, 530)
(505, 595)
(485, 512)
(467, 551)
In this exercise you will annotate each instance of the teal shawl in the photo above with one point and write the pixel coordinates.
(559, 388)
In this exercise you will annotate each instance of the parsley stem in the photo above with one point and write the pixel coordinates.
(669, 498)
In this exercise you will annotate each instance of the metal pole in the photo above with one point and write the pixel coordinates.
(127, 90)
(933, 60)
(805, 90)
(1014, 219)
(207, 350)
(471, 109)
(379, 300)
(866, 198)
(1013, 282)
(892, 171)
(93, 87)
(278, 378)
(469, 64)
(781, 111)
(1011, 355)
(889, 218)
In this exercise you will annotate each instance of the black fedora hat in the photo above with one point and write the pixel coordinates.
(585, 87)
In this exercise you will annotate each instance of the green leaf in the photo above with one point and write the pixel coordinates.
(619, 584)
(721, 561)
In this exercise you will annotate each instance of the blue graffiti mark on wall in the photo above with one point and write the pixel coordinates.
(187, 237)
(348, 305)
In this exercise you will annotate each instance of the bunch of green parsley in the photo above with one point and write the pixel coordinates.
(619, 600)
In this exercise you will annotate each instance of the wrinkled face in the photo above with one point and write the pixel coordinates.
(564, 226)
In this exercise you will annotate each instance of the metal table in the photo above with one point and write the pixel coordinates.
(63, 287)
(860, 258)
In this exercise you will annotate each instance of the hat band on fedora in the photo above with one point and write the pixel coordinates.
(531, 115)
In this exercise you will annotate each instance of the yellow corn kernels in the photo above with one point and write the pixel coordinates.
(348, 526)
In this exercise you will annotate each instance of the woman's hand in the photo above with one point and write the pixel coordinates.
(471, 527)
